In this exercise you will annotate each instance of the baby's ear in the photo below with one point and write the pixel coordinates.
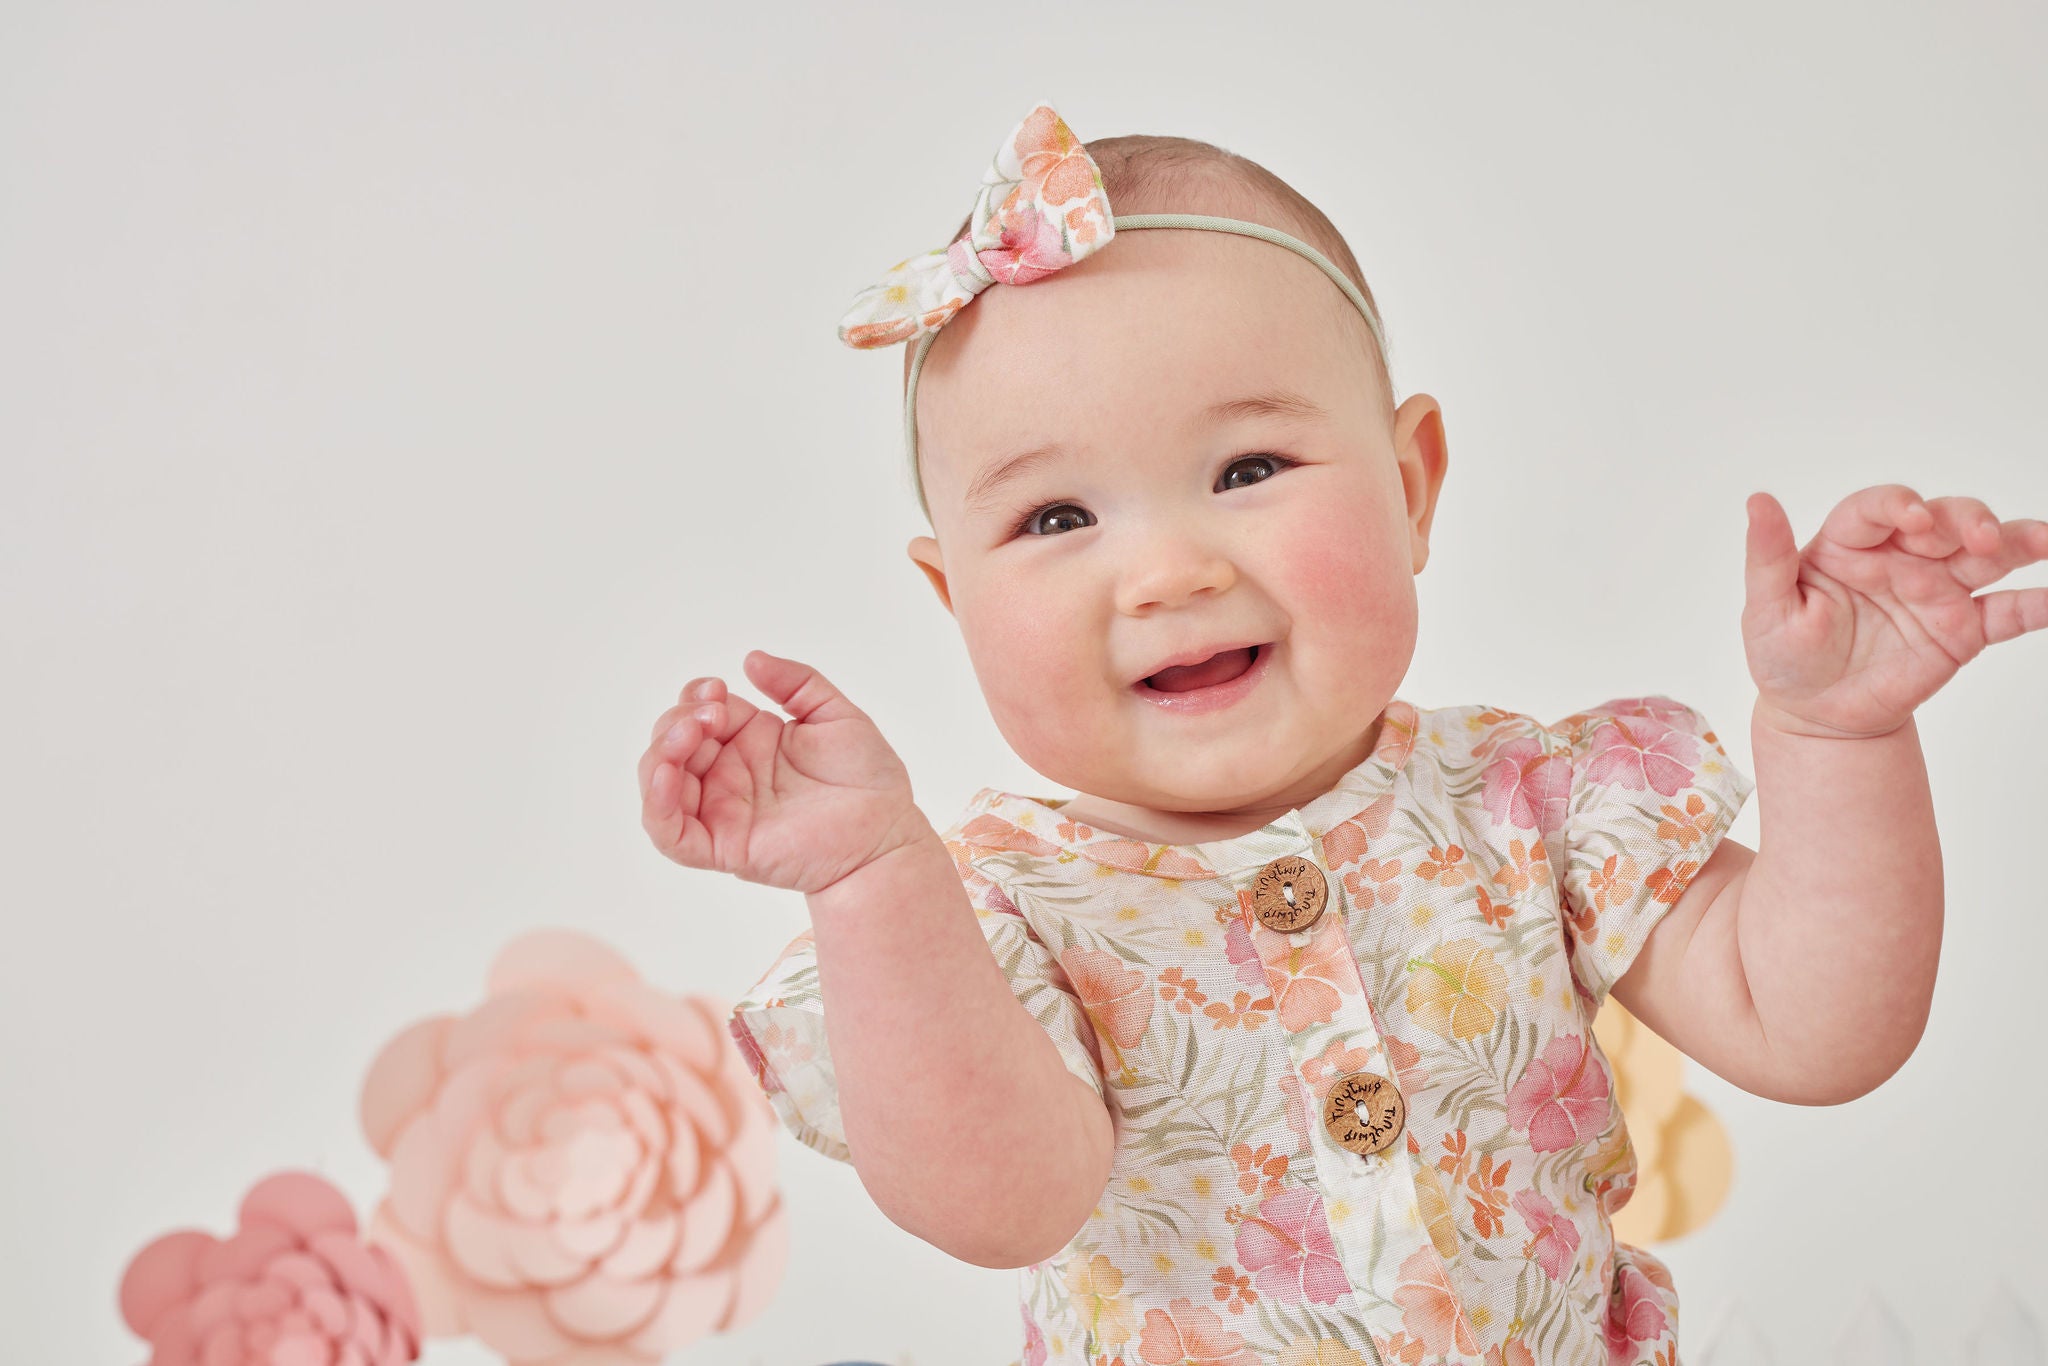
(1424, 456)
(924, 551)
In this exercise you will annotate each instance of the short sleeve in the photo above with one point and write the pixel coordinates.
(779, 1023)
(1652, 793)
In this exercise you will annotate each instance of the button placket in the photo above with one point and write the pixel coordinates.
(1368, 1184)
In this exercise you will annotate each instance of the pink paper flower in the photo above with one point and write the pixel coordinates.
(294, 1286)
(582, 1169)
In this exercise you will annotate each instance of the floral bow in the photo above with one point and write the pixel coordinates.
(1042, 207)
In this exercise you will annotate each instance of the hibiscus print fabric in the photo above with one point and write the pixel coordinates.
(1490, 879)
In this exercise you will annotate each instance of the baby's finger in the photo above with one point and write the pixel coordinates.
(685, 730)
(1869, 516)
(2012, 612)
(802, 691)
(1967, 520)
(2021, 542)
(719, 718)
(666, 814)
(692, 743)
(723, 720)
(697, 690)
(1771, 567)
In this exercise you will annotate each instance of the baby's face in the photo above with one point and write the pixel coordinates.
(1163, 525)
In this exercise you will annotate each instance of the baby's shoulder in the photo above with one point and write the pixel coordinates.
(1455, 737)
(1485, 731)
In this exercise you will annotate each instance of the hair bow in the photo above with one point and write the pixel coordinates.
(1042, 207)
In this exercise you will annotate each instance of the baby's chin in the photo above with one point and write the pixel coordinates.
(1260, 768)
(1262, 784)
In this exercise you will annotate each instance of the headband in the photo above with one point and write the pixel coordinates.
(1042, 207)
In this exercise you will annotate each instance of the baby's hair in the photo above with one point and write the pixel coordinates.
(1148, 173)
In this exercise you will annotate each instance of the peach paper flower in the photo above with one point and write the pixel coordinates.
(582, 1170)
(294, 1286)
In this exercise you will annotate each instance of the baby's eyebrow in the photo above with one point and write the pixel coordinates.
(981, 494)
(1273, 403)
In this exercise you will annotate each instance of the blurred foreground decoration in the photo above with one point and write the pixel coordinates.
(1684, 1163)
(295, 1283)
(582, 1171)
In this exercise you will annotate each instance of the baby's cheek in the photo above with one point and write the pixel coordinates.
(1028, 657)
(1341, 566)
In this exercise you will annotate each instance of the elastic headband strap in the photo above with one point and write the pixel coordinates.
(1127, 222)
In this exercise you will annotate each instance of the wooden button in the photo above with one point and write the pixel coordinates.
(1364, 1112)
(1290, 894)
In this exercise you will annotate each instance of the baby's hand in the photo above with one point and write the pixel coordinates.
(797, 804)
(1848, 636)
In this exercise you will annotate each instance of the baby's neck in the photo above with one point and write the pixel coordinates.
(1199, 827)
(1160, 827)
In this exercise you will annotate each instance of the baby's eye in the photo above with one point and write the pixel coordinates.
(1277, 462)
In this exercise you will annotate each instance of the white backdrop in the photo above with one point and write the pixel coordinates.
(399, 403)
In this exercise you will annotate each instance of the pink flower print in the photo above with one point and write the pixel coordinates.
(1181, 991)
(1287, 1248)
(997, 899)
(786, 1046)
(1562, 1099)
(1184, 1334)
(1348, 840)
(1309, 982)
(757, 1062)
(987, 832)
(1237, 946)
(1404, 1056)
(1429, 1306)
(1660, 708)
(1033, 245)
(1633, 1315)
(1553, 1239)
(1336, 1061)
(1528, 788)
(1115, 995)
(1643, 752)
(1374, 883)
(1297, 1104)
(1034, 1339)
(1053, 159)
(1084, 224)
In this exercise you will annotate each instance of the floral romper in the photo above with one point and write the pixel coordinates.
(1488, 878)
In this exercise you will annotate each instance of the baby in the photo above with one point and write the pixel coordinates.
(1274, 1043)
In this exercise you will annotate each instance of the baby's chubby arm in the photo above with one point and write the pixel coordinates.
(960, 1115)
(965, 1124)
(1803, 971)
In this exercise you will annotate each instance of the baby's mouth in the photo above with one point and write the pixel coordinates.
(1217, 668)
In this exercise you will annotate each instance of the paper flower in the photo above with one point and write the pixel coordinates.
(1684, 1164)
(582, 1169)
(294, 1286)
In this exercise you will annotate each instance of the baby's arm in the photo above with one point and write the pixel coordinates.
(964, 1123)
(1804, 971)
(957, 1107)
